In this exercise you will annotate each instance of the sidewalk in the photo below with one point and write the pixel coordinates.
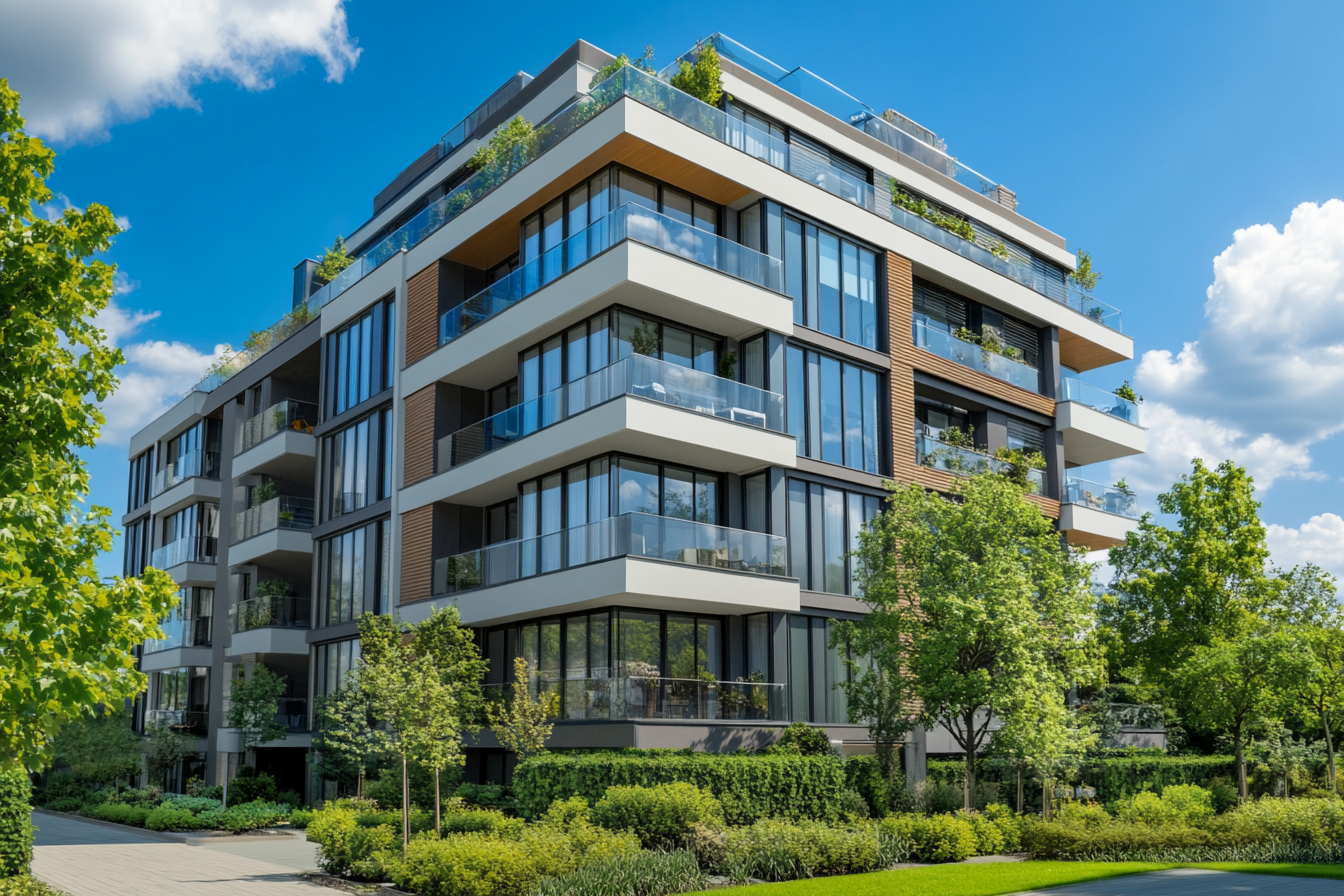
(1199, 882)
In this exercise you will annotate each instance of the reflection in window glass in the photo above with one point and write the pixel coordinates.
(637, 488)
(832, 409)
(823, 526)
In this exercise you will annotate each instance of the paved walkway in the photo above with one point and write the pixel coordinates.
(87, 859)
(1199, 882)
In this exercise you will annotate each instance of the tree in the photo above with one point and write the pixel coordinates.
(1318, 619)
(1046, 737)
(523, 722)
(704, 80)
(877, 692)
(102, 747)
(254, 702)
(990, 608)
(165, 747)
(66, 638)
(345, 739)
(509, 149)
(334, 260)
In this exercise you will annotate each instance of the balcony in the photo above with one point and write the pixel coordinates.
(186, 721)
(628, 222)
(1096, 516)
(929, 452)
(277, 442)
(1100, 400)
(640, 376)
(201, 462)
(181, 633)
(271, 612)
(1097, 425)
(644, 696)
(292, 712)
(276, 530)
(968, 354)
(193, 549)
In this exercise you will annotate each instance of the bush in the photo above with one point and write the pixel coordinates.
(481, 821)
(421, 820)
(989, 839)
(801, 739)
(330, 828)
(1009, 825)
(565, 840)
(749, 786)
(16, 826)
(1181, 804)
(289, 798)
(853, 806)
(65, 804)
(644, 874)
(26, 886)
(299, 818)
(386, 790)
(659, 816)
(934, 798)
(490, 795)
(1082, 815)
(864, 777)
(1301, 822)
(144, 797)
(935, 838)
(778, 850)
(1224, 797)
(244, 816)
(1057, 841)
(370, 849)
(466, 865)
(171, 817)
(249, 786)
(120, 813)
(193, 804)
(64, 786)
(195, 787)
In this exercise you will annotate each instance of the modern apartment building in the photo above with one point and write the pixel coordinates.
(626, 399)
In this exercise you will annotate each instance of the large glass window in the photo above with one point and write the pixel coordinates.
(331, 663)
(141, 479)
(360, 358)
(195, 451)
(197, 522)
(817, 669)
(833, 409)
(609, 486)
(135, 548)
(824, 525)
(353, 573)
(357, 465)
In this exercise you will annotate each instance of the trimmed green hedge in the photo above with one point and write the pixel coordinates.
(16, 826)
(1115, 777)
(750, 786)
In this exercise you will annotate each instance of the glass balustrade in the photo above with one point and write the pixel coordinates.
(929, 452)
(193, 549)
(638, 375)
(181, 633)
(187, 721)
(201, 462)
(968, 354)
(1107, 498)
(629, 222)
(627, 535)
(644, 696)
(292, 712)
(1100, 399)
(1096, 309)
(299, 416)
(270, 612)
(278, 513)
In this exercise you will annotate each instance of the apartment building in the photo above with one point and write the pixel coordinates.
(626, 399)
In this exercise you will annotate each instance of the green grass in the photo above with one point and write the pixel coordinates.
(998, 878)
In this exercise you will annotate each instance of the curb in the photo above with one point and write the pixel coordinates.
(188, 838)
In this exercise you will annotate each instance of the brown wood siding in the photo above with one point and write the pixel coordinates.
(417, 553)
(422, 314)
(906, 359)
(419, 447)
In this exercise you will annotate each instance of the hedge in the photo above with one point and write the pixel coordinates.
(16, 826)
(750, 786)
(1114, 777)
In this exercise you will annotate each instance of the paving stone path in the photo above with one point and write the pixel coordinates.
(1199, 882)
(88, 859)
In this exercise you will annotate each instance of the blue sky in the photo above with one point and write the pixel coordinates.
(1147, 133)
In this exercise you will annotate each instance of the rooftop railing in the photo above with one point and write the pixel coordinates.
(192, 549)
(201, 462)
(650, 697)
(628, 222)
(278, 513)
(628, 535)
(1100, 399)
(299, 416)
(638, 375)
(930, 452)
(968, 354)
(1106, 498)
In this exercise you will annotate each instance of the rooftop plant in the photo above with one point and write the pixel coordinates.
(917, 205)
(611, 68)
(1083, 275)
(1126, 391)
(704, 79)
(334, 260)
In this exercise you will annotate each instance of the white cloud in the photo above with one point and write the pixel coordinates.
(1319, 540)
(82, 65)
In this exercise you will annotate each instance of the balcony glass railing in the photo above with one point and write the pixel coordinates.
(627, 535)
(181, 633)
(968, 354)
(193, 549)
(270, 612)
(641, 696)
(638, 375)
(292, 712)
(277, 513)
(629, 222)
(1100, 399)
(299, 416)
(201, 462)
(1107, 498)
(187, 721)
(1099, 311)
(929, 452)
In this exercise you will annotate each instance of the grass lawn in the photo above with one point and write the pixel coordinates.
(996, 879)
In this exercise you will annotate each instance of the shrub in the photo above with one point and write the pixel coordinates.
(466, 865)
(780, 850)
(63, 785)
(802, 739)
(933, 798)
(421, 819)
(1057, 841)
(330, 828)
(26, 886)
(1181, 804)
(193, 804)
(244, 816)
(16, 826)
(145, 797)
(120, 813)
(1082, 815)
(863, 776)
(1303, 822)
(1009, 825)
(749, 786)
(65, 804)
(491, 795)
(565, 840)
(935, 838)
(299, 818)
(645, 874)
(289, 798)
(171, 817)
(989, 839)
(659, 816)
(369, 848)
(482, 821)
(249, 786)
(386, 790)
(853, 806)
(195, 787)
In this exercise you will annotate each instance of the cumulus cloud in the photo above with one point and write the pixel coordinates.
(1261, 383)
(1319, 540)
(83, 65)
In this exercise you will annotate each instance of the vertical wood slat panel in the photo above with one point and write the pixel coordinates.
(417, 553)
(422, 314)
(418, 462)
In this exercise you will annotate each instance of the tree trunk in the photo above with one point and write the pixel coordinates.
(1241, 768)
(969, 786)
(1019, 790)
(405, 807)
(1045, 798)
(1329, 751)
(359, 785)
(438, 824)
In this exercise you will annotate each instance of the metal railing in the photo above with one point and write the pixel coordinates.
(192, 549)
(181, 633)
(628, 535)
(645, 696)
(278, 513)
(299, 416)
(1100, 399)
(201, 462)
(270, 612)
(968, 354)
(187, 721)
(638, 375)
(628, 222)
(930, 452)
(1106, 498)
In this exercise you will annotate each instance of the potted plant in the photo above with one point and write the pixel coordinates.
(264, 492)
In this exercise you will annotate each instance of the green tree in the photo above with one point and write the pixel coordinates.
(643, 63)
(1046, 737)
(344, 737)
(510, 148)
(990, 607)
(523, 722)
(165, 747)
(1314, 611)
(877, 691)
(101, 748)
(704, 80)
(254, 702)
(334, 260)
(66, 638)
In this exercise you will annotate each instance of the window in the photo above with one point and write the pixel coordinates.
(353, 573)
(934, 418)
(135, 548)
(942, 310)
(183, 689)
(816, 670)
(195, 451)
(357, 465)
(833, 409)
(331, 662)
(198, 523)
(824, 525)
(142, 477)
(761, 137)
(359, 359)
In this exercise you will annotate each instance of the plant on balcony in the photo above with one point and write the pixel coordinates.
(999, 250)
(726, 366)
(334, 260)
(509, 149)
(1083, 276)
(1126, 391)
(644, 339)
(1123, 485)
(264, 492)
(1097, 313)
(1020, 464)
(917, 205)
(274, 588)
(704, 79)
(611, 68)
(954, 436)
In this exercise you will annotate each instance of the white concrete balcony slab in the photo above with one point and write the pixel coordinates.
(274, 548)
(268, 639)
(285, 455)
(1096, 516)
(176, 658)
(183, 493)
(1097, 425)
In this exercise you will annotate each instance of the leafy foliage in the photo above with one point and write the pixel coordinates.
(659, 816)
(165, 747)
(334, 260)
(101, 748)
(704, 79)
(1083, 274)
(250, 785)
(344, 737)
(254, 701)
(802, 739)
(934, 214)
(643, 63)
(522, 721)
(16, 828)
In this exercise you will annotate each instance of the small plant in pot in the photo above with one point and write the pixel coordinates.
(264, 492)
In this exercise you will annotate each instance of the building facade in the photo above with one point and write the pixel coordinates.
(625, 398)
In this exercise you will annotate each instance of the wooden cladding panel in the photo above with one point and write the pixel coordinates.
(419, 445)
(906, 359)
(417, 553)
(1082, 354)
(422, 314)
